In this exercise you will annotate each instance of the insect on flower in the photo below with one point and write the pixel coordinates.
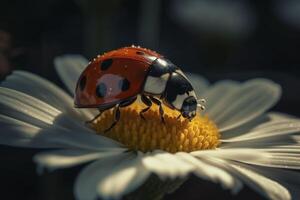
(233, 144)
(115, 79)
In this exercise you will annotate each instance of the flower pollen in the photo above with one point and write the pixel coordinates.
(176, 134)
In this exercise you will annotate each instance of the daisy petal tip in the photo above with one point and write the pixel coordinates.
(235, 190)
(251, 100)
(107, 194)
(69, 68)
(40, 164)
(272, 86)
(66, 60)
(266, 87)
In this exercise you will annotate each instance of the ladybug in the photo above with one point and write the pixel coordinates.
(116, 78)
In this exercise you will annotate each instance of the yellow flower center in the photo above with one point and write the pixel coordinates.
(150, 134)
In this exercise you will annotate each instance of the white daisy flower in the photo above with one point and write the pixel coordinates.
(234, 143)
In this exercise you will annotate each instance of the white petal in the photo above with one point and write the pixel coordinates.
(33, 111)
(219, 96)
(69, 68)
(267, 143)
(277, 116)
(259, 122)
(44, 90)
(88, 179)
(19, 133)
(111, 177)
(21, 106)
(240, 155)
(281, 130)
(265, 186)
(41, 124)
(123, 179)
(263, 157)
(237, 154)
(245, 103)
(282, 160)
(269, 130)
(71, 157)
(293, 148)
(287, 178)
(200, 84)
(245, 128)
(288, 158)
(212, 173)
(167, 165)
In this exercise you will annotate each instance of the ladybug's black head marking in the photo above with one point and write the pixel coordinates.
(189, 107)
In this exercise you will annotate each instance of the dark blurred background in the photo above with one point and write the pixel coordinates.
(221, 39)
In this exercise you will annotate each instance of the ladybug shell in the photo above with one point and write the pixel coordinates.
(113, 77)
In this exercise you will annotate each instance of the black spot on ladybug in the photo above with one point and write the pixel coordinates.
(124, 84)
(106, 64)
(101, 90)
(140, 53)
(82, 83)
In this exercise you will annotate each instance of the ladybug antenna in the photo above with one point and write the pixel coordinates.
(201, 101)
(201, 106)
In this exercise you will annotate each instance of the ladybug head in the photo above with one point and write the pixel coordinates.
(189, 107)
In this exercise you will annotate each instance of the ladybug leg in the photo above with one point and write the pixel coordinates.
(178, 117)
(146, 101)
(92, 120)
(118, 113)
(116, 117)
(161, 110)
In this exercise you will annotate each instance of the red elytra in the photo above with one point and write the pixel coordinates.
(116, 78)
(113, 72)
